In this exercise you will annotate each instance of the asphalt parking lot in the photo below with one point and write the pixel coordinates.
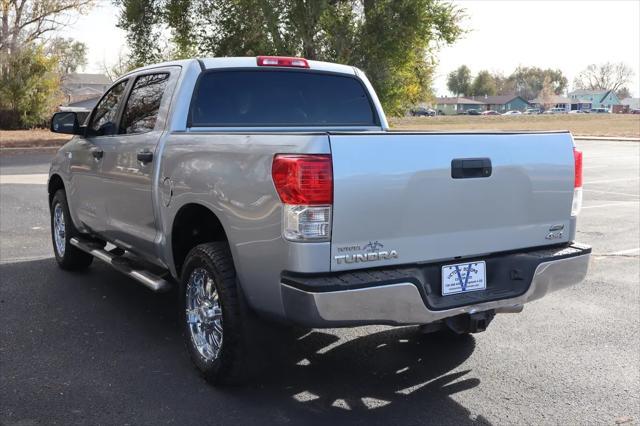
(96, 348)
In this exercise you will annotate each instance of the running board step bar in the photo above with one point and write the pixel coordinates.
(124, 265)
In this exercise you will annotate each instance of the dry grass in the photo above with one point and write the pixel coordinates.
(619, 125)
(31, 138)
(612, 125)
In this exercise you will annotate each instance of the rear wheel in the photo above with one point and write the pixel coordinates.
(212, 316)
(68, 256)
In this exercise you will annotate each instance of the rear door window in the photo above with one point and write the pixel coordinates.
(141, 110)
(269, 98)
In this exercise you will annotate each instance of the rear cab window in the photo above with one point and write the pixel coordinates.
(280, 98)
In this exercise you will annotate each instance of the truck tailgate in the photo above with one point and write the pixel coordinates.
(395, 197)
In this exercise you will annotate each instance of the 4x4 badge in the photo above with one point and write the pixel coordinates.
(373, 246)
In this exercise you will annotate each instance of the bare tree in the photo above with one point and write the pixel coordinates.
(116, 69)
(623, 93)
(71, 55)
(607, 76)
(547, 94)
(25, 21)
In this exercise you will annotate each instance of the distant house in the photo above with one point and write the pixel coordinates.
(79, 86)
(503, 103)
(587, 99)
(631, 103)
(555, 101)
(580, 105)
(457, 105)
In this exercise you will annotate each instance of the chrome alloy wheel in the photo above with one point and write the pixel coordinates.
(204, 314)
(59, 229)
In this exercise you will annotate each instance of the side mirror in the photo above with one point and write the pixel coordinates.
(66, 122)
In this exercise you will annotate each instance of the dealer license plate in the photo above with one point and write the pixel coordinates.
(463, 278)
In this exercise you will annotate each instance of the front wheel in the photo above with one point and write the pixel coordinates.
(68, 256)
(214, 326)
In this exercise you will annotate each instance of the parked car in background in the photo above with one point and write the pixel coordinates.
(490, 112)
(577, 111)
(472, 112)
(532, 111)
(635, 111)
(600, 111)
(513, 112)
(422, 112)
(556, 111)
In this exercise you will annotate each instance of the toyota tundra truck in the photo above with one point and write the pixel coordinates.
(272, 188)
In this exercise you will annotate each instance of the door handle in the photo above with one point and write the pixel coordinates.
(97, 153)
(145, 156)
(464, 168)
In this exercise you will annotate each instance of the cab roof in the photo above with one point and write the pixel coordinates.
(245, 62)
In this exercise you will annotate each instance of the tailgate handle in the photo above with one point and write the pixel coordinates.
(464, 168)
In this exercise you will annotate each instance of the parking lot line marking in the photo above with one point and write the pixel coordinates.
(25, 259)
(629, 252)
(612, 193)
(619, 203)
(33, 179)
(612, 180)
(607, 157)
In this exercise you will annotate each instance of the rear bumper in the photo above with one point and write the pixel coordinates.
(403, 296)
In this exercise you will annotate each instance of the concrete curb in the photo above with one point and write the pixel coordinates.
(606, 138)
(18, 149)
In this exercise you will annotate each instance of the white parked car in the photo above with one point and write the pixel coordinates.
(513, 112)
(556, 111)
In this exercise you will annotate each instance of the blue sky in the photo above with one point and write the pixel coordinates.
(567, 34)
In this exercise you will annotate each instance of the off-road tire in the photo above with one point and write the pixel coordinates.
(70, 258)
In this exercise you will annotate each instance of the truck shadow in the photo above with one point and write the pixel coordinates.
(391, 376)
(109, 344)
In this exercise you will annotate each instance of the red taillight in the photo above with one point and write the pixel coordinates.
(577, 157)
(303, 179)
(282, 61)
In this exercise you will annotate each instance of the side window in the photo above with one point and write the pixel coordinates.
(141, 110)
(103, 121)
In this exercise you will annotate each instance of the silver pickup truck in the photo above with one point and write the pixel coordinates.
(273, 186)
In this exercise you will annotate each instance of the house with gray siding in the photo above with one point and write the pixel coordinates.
(631, 103)
(554, 101)
(457, 105)
(81, 86)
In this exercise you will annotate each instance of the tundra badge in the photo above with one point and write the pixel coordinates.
(372, 253)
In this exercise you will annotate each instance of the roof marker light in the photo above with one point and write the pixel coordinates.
(282, 61)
